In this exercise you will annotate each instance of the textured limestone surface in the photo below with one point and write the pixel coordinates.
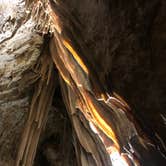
(19, 51)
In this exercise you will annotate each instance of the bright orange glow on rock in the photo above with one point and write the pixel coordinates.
(76, 56)
(100, 122)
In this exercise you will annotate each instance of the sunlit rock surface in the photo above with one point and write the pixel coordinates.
(19, 51)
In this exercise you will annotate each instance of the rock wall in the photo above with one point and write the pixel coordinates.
(19, 51)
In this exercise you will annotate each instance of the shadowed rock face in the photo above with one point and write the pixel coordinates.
(138, 69)
(126, 41)
(19, 51)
